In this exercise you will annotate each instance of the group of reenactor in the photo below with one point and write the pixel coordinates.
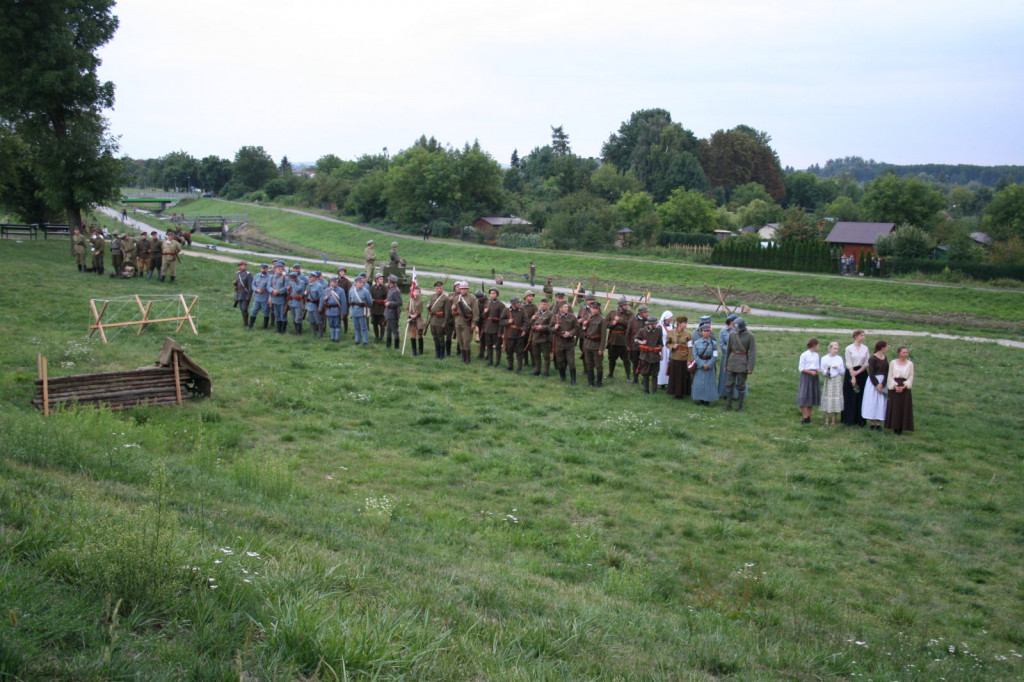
(129, 256)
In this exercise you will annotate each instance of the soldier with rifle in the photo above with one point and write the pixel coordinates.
(392, 310)
(594, 329)
(494, 311)
(333, 305)
(438, 314)
(565, 330)
(243, 291)
(540, 337)
(618, 324)
(516, 324)
(295, 292)
(260, 296)
(650, 341)
(530, 308)
(636, 323)
(465, 311)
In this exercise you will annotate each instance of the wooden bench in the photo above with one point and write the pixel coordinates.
(49, 228)
(8, 229)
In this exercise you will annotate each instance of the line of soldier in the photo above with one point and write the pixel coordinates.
(129, 256)
(524, 332)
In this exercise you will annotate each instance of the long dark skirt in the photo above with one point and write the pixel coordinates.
(679, 379)
(899, 413)
(852, 400)
(809, 393)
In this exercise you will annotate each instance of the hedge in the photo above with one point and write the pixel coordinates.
(980, 271)
(686, 239)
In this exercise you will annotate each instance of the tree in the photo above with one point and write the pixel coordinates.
(906, 241)
(759, 213)
(50, 92)
(560, 141)
(1004, 216)
(609, 184)
(688, 211)
(734, 157)
(178, 169)
(638, 212)
(805, 190)
(581, 221)
(213, 173)
(253, 168)
(514, 161)
(20, 190)
(843, 209)
(662, 154)
(797, 226)
(744, 194)
(908, 200)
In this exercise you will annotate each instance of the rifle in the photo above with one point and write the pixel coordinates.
(508, 329)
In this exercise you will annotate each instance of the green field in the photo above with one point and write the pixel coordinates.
(342, 513)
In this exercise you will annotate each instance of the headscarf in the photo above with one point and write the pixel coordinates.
(667, 315)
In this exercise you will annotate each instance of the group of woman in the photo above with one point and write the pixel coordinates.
(693, 365)
(864, 387)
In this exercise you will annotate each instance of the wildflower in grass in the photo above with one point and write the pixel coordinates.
(382, 506)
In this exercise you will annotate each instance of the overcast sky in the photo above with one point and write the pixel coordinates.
(902, 81)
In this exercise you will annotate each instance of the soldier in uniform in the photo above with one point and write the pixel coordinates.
(243, 291)
(439, 311)
(332, 304)
(465, 311)
(416, 321)
(516, 325)
(565, 329)
(594, 332)
(260, 296)
(129, 248)
(740, 362)
(618, 324)
(530, 308)
(297, 268)
(379, 292)
(314, 296)
(392, 310)
(295, 293)
(481, 301)
(649, 342)
(540, 337)
(360, 303)
(549, 289)
(583, 314)
(396, 262)
(78, 249)
(142, 250)
(279, 296)
(155, 255)
(636, 323)
(370, 256)
(98, 246)
(344, 283)
(116, 254)
(494, 311)
(169, 251)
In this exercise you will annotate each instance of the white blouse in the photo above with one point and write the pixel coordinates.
(809, 361)
(832, 365)
(855, 357)
(900, 371)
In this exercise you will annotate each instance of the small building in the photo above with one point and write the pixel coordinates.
(981, 238)
(721, 235)
(855, 238)
(768, 231)
(498, 222)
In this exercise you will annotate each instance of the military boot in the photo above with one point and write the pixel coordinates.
(414, 350)
(739, 406)
(647, 384)
(447, 348)
(600, 375)
(421, 344)
(252, 321)
(590, 377)
(561, 373)
(510, 362)
(572, 376)
(245, 318)
(266, 321)
(728, 403)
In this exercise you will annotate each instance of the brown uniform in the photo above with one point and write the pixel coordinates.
(540, 340)
(515, 325)
(490, 330)
(649, 342)
(618, 325)
(594, 330)
(565, 330)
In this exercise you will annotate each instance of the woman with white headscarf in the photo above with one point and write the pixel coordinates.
(666, 326)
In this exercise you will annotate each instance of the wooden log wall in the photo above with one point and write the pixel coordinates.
(119, 390)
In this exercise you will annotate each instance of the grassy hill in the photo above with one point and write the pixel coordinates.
(335, 512)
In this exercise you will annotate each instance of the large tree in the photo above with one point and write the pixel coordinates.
(908, 200)
(1004, 217)
(50, 92)
(688, 211)
(735, 157)
(253, 168)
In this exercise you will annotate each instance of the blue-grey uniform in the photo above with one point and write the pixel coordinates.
(296, 289)
(705, 354)
(360, 304)
(279, 298)
(260, 296)
(314, 293)
(334, 304)
(392, 309)
(297, 269)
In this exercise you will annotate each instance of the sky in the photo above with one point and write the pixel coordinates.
(900, 81)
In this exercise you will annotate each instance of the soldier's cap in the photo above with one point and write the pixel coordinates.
(741, 324)
(439, 283)
(392, 279)
(732, 317)
(394, 245)
(278, 262)
(369, 241)
(334, 278)
(494, 289)
(529, 293)
(153, 233)
(380, 276)
(705, 319)
(543, 300)
(342, 269)
(361, 274)
(514, 299)
(241, 263)
(293, 274)
(623, 301)
(560, 294)
(264, 266)
(594, 304)
(704, 327)
(297, 266)
(643, 309)
(480, 294)
(589, 297)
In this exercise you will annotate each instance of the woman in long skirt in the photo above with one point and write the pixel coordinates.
(808, 396)
(705, 354)
(832, 391)
(873, 407)
(666, 328)
(899, 415)
(680, 346)
(855, 380)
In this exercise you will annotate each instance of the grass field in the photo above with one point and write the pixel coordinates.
(842, 297)
(334, 512)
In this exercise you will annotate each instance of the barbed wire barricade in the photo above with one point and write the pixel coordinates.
(125, 312)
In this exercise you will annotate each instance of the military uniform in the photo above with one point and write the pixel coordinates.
(650, 342)
(295, 292)
(636, 323)
(116, 254)
(516, 325)
(540, 339)
(129, 248)
(565, 330)
(370, 256)
(360, 303)
(260, 296)
(155, 255)
(415, 322)
(98, 246)
(392, 310)
(379, 292)
(344, 283)
(333, 306)
(279, 298)
(530, 308)
(169, 251)
(439, 312)
(594, 331)
(78, 249)
(314, 296)
(618, 326)
(742, 355)
(494, 311)
(465, 311)
(142, 250)
(243, 292)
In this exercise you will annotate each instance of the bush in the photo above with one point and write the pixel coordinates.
(799, 256)
(519, 241)
(979, 271)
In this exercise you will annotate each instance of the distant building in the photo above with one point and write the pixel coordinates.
(768, 231)
(981, 238)
(855, 238)
(724, 234)
(498, 222)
